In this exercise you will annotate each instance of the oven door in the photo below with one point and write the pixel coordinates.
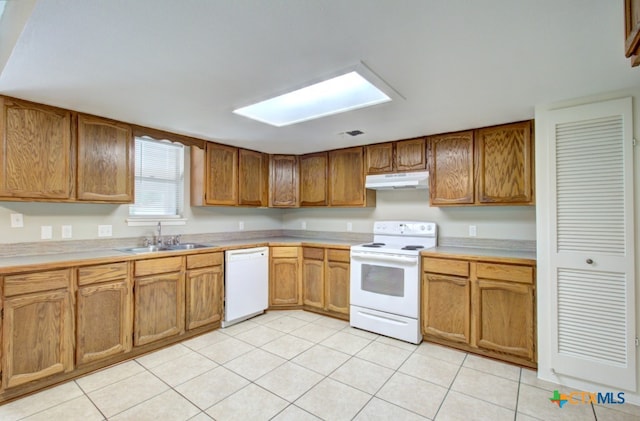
(386, 282)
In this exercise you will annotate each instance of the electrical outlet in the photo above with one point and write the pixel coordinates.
(303, 225)
(241, 225)
(17, 220)
(104, 230)
(46, 232)
(67, 231)
(349, 226)
(473, 231)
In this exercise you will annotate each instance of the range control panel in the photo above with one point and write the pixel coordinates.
(408, 228)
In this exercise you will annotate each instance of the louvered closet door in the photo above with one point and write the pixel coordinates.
(593, 334)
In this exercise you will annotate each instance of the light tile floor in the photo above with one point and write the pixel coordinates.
(295, 365)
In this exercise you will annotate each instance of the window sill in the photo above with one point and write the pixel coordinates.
(150, 221)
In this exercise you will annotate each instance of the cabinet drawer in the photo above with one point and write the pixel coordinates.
(36, 282)
(445, 266)
(284, 251)
(153, 266)
(338, 255)
(315, 253)
(204, 260)
(101, 273)
(500, 272)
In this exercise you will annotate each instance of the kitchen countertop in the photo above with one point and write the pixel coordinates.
(16, 264)
(472, 253)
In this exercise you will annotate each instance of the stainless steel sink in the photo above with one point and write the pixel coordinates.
(155, 249)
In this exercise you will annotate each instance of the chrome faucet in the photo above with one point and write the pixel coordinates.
(159, 237)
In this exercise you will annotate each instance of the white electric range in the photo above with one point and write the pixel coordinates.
(385, 279)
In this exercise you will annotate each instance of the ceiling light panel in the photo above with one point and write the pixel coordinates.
(346, 92)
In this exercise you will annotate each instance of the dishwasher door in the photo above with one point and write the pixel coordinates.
(246, 284)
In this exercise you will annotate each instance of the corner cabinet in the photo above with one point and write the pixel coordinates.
(313, 179)
(487, 166)
(104, 294)
(285, 282)
(36, 152)
(346, 179)
(38, 327)
(481, 305)
(284, 191)
(105, 161)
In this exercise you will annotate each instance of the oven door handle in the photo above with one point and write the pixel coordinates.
(384, 258)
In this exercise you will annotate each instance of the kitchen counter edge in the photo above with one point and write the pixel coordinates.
(479, 254)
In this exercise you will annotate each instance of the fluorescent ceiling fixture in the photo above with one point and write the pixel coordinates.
(346, 92)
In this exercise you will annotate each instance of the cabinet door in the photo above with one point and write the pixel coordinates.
(337, 286)
(451, 169)
(221, 184)
(313, 277)
(158, 307)
(411, 155)
(379, 158)
(313, 179)
(446, 302)
(346, 177)
(505, 164)
(253, 179)
(632, 30)
(104, 320)
(504, 317)
(37, 337)
(284, 282)
(35, 151)
(204, 296)
(284, 190)
(105, 160)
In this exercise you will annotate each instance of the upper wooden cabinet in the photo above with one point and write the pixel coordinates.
(632, 30)
(105, 160)
(284, 189)
(400, 156)
(313, 179)
(253, 180)
(36, 152)
(221, 175)
(488, 166)
(451, 169)
(504, 163)
(346, 179)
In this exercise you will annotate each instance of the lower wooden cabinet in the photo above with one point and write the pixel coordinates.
(104, 303)
(480, 306)
(204, 289)
(325, 280)
(37, 328)
(158, 299)
(285, 282)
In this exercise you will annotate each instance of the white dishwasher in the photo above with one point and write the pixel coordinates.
(246, 284)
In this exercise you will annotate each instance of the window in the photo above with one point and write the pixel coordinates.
(159, 178)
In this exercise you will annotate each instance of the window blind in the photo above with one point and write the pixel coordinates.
(159, 178)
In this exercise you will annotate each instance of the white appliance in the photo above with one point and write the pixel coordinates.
(385, 279)
(409, 180)
(246, 284)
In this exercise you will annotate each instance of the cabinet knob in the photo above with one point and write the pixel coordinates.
(589, 261)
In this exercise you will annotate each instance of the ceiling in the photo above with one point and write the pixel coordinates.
(183, 66)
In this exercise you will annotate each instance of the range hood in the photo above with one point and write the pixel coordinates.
(409, 180)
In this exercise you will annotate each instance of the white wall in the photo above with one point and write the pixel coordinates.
(545, 318)
(85, 218)
(493, 222)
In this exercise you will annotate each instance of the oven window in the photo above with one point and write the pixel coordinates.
(383, 280)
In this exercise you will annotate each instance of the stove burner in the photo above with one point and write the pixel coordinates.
(412, 247)
(374, 245)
